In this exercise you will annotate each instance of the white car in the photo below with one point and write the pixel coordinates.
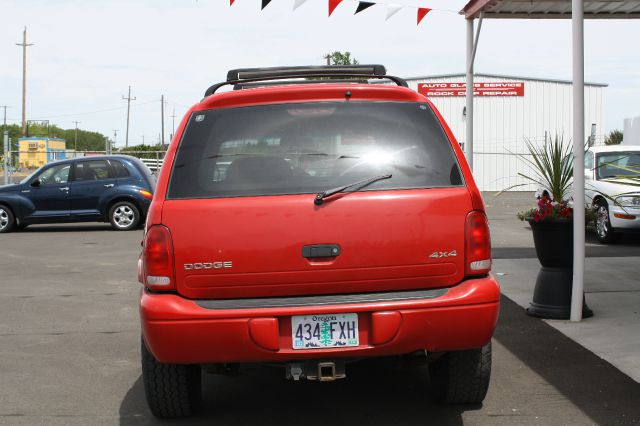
(612, 186)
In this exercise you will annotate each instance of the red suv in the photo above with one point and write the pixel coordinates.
(311, 222)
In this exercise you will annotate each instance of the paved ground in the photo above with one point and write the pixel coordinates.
(612, 285)
(69, 354)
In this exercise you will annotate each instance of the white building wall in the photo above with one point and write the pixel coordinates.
(501, 124)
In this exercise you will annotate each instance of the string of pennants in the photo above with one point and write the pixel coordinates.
(392, 9)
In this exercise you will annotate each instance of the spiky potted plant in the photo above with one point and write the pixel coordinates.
(552, 226)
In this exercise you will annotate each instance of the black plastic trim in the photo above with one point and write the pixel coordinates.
(323, 70)
(211, 90)
(332, 299)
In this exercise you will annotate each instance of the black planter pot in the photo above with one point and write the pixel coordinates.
(552, 293)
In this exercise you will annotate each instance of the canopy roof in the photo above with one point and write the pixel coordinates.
(549, 9)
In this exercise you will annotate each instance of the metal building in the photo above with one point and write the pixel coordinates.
(508, 110)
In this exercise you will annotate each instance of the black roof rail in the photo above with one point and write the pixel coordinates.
(242, 86)
(325, 70)
(253, 75)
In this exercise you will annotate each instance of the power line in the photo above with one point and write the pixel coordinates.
(129, 99)
(93, 112)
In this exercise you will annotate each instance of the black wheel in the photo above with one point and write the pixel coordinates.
(124, 216)
(7, 219)
(172, 390)
(462, 377)
(604, 230)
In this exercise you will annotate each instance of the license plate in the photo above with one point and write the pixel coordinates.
(324, 331)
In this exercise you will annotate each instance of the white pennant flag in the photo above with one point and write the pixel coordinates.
(298, 3)
(392, 9)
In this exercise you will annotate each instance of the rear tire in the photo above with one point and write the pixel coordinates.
(124, 216)
(604, 230)
(462, 377)
(7, 219)
(172, 390)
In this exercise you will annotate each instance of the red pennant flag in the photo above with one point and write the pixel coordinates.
(422, 12)
(332, 5)
(231, 2)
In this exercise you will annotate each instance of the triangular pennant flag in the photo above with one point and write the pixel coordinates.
(265, 3)
(231, 2)
(298, 3)
(392, 9)
(362, 5)
(422, 12)
(332, 5)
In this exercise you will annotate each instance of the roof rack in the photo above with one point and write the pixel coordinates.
(253, 75)
(242, 86)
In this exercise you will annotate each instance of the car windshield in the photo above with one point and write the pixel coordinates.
(618, 164)
(28, 178)
(308, 148)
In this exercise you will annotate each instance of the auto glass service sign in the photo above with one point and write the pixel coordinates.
(444, 89)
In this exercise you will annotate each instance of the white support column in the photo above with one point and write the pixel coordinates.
(577, 26)
(468, 143)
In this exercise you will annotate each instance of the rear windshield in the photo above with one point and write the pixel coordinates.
(311, 147)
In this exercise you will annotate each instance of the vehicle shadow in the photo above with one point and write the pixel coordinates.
(375, 392)
(600, 390)
(92, 227)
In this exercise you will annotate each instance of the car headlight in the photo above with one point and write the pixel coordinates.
(629, 201)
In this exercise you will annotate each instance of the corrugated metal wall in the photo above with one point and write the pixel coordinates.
(501, 124)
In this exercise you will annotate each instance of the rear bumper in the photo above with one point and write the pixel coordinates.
(179, 330)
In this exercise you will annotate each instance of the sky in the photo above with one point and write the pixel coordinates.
(87, 53)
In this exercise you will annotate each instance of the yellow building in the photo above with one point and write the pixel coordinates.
(37, 151)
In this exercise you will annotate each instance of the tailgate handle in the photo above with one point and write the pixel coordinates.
(321, 250)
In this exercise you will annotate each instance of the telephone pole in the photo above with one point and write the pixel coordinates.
(115, 139)
(173, 123)
(75, 140)
(162, 118)
(7, 151)
(24, 45)
(129, 99)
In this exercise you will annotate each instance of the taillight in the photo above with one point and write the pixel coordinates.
(478, 244)
(158, 259)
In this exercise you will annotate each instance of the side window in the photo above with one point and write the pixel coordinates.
(588, 160)
(119, 169)
(55, 175)
(91, 170)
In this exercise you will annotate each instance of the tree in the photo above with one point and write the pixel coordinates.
(613, 138)
(341, 58)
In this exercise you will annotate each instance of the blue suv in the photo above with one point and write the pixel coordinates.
(115, 188)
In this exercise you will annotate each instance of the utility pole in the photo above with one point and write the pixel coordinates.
(7, 152)
(115, 138)
(162, 118)
(142, 139)
(173, 123)
(75, 140)
(129, 99)
(24, 45)
(328, 58)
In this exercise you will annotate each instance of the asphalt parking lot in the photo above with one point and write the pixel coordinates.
(69, 354)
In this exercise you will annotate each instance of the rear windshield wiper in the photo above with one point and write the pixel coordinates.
(360, 184)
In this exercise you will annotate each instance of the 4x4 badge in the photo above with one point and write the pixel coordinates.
(439, 254)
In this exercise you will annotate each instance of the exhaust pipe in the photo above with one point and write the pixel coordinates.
(325, 371)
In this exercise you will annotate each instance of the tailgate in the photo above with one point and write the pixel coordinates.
(252, 246)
